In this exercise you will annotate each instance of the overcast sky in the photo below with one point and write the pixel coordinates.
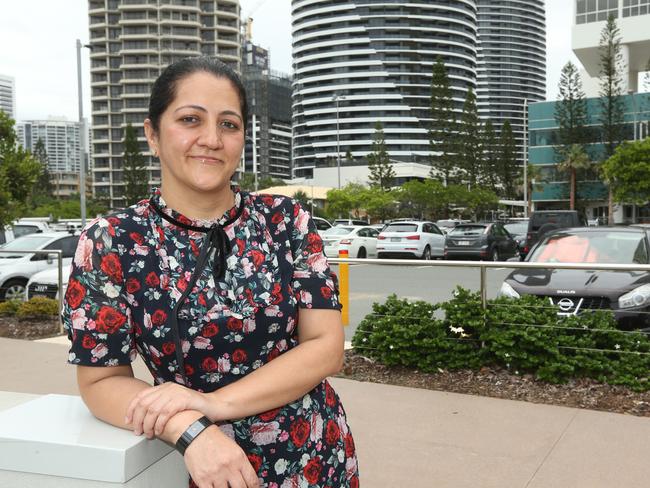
(37, 48)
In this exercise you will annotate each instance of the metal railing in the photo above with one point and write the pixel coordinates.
(59, 258)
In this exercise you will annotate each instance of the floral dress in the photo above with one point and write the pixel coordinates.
(134, 288)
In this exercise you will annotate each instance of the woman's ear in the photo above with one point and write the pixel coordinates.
(151, 136)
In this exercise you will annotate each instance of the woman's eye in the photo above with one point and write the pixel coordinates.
(190, 119)
(229, 125)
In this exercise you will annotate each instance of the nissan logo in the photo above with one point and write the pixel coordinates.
(565, 304)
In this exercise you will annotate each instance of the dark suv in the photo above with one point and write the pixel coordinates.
(543, 221)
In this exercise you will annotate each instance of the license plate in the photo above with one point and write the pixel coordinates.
(463, 243)
(395, 239)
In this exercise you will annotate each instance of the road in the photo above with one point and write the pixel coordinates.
(373, 283)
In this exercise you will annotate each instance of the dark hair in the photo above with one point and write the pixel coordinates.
(163, 91)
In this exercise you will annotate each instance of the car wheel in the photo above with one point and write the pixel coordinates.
(495, 255)
(362, 253)
(426, 255)
(13, 290)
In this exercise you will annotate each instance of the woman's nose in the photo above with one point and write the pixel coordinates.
(211, 137)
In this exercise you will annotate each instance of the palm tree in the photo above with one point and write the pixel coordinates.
(576, 159)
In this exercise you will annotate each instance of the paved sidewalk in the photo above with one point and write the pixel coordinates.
(412, 438)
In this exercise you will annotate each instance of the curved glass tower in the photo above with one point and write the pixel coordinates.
(357, 62)
(511, 61)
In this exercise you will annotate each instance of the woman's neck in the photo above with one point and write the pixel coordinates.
(198, 205)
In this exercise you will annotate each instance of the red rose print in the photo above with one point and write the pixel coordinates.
(88, 342)
(257, 257)
(255, 460)
(312, 470)
(268, 200)
(277, 294)
(234, 324)
(270, 415)
(181, 284)
(326, 292)
(132, 285)
(189, 370)
(108, 320)
(113, 220)
(332, 432)
(112, 267)
(299, 431)
(201, 299)
(210, 330)
(159, 317)
(241, 246)
(274, 353)
(277, 218)
(315, 243)
(349, 445)
(296, 209)
(239, 356)
(75, 293)
(354, 482)
(195, 248)
(184, 220)
(330, 397)
(168, 348)
(209, 364)
(137, 238)
(152, 280)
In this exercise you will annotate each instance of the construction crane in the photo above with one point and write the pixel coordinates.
(249, 20)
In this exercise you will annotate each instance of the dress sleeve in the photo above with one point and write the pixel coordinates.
(314, 284)
(95, 316)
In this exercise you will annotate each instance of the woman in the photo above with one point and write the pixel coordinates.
(227, 297)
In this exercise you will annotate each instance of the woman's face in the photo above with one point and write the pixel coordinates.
(201, 134)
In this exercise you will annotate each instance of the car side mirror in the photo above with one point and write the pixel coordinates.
(51, 258)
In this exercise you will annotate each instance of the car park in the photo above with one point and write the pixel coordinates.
(543, 221)
(572, 292)
(359, 241)
(486, 241)
(17, 267)
(411, 239)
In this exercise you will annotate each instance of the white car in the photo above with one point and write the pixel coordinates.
(411, 238)
(17, 267)
(321, 225)
(361, 242)
(46, 283)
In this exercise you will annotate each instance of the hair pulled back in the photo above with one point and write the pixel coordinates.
(163, 91)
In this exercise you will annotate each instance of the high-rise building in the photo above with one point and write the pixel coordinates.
(131, 42)
(8, 95)
(632, 17)
(511, 62)
(359, 62)
(60, 138)
(268, 140)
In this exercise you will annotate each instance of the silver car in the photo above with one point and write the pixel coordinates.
(411, 239)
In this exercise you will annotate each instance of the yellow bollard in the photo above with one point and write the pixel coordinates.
(344, 288)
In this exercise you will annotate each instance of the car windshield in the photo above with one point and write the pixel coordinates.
(401, 228)
(517, 228)
(562, 219)
(23, 230)
(339, 230)
(593, 247)
(467, 230)
(31, 241)
(446, 223)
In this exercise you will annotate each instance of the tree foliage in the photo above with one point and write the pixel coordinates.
(611, 86)
(346, 202)
(43, 188)
(575, 159)
(136, 177)
(381, 171)
(570, 111)
(627, 172)
(508, 170)
(490, 150)
(443, 124)
(469, 150)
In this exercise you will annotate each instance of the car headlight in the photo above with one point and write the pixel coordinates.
(636, 298)
(508, 291)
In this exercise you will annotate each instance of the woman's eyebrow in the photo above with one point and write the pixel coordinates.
(202, 109)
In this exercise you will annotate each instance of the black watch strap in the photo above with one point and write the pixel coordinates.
(192, 432)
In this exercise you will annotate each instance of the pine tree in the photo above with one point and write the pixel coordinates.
(349, 159)
(43, 187)
(136, 184)
(381, 171)
(611, 103)
(469, 142)
(443, 126)
(570, 111)
(490, 156)
(508, 170)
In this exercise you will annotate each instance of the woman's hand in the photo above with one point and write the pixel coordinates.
(216, 461)
(150, 409)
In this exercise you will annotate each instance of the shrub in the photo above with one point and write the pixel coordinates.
(10, 307)
(38, 307)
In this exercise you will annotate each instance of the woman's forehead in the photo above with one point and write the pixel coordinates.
(206, 90)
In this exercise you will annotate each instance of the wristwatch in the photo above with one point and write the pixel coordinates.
(191, 433)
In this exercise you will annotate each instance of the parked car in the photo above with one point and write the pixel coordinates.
(349, 222)
(518, 229)
(22, 227)
(543, 221)
(46, 283)
(627, 293)
(16, 268)
(361, 242)
(411, 238)
(489, 241)
(447, 224)
(321, 225)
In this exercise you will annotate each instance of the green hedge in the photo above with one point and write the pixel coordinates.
(34, 307)
(523, 335)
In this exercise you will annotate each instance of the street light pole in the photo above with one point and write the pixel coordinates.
(525, 157)
(82, 162)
